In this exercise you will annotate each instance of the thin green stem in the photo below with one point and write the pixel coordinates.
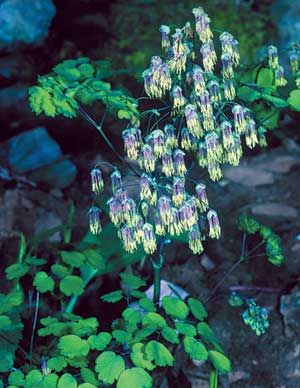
(37, 303)
(157, 279)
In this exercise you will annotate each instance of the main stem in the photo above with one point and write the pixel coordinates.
(156, 281)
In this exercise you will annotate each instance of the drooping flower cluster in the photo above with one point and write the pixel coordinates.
(256, 317)
(204, 120)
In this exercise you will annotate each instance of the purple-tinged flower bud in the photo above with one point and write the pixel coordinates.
(94, 220)
(167, 163)
(294, 62)
(202, 25)
(127, 235)
(138, 230)
(97, 181)
(214, 171)
(144, 209)
(187, 30)
(116, 181)
(175, 227)
(165, 40)
(214, 224)
(149, 83)
(201, 197)
(129, 211)
(180, 51)
(145, 188)
(178, 157)
(239, 118)
(202, 155)
(160, 229)
(132, 142)
(199, 82)
(251, 134)
(164, 208)
(188, 215)
(205, 105)
(195, 243)
(192, 121)
(115, 211)
(149, 240)
(147, 159)
(157, 78)
(178, 191)
(165, 80)
(158, 143)
(279, 76)
(179, 100)
(188, 141)
(121, 194)
(208, 57)
(230, 46)
(170, 136)
(229, 90)
(234, 152)
(213, 147)
(273, 57)
(227, 135)
(214, 91)
(262, 136)
(227, 66)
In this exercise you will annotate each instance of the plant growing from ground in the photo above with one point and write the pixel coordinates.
(198, 118)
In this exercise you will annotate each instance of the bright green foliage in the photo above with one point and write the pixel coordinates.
(16, 271)
(121, 336)
(43, 282)
(99, 341)
(33, 379)
(235, 300)
(219, 361)
(67, 381)
(195, 349)
(78, 82)
(197, 309)
(71, 285)
(170, 335)
(109, 366)
(132, 315)
(112, 297)
(57, 363)
(159, 354)
(154, 320)
(89, 376)
(74, 259)
(87, 385)
(134, 377)
(139, 358)
(147, 304)
(207, 335)
(186, 329)
(132, 281)
(5, 322)
(294, 100)
(73, 346)
(248, 224)
(59, 270)
(175, 307)
(16, 378)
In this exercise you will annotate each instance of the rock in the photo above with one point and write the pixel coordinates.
(206, 262)
(238, 375)
(275, 210)
(248, 176)
(280, 164)
(290, 310)
(47, 220)
(35, 152)
(23, 22)
(166, 290)
(8, 208)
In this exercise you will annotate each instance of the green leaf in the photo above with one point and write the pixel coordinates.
(154, 319)
(139, 358)
(265, 77)
(144, 333)
(16, 378)
(50, 381)
(6, 360)
(170, 335)
(138, 294)
(71, 285)
(121, 336)
(99, 341)
(294, 100)
(16, 271)
(207, 334)
(132, 281)
(195, 349)
(33, 379)
(67, 381)
(123, 114)
(43, 282)
(109, 366)
(248, 224)
(219, 361)
(197, 309)
(134, 377)
(73, 346)
(86, 326)
(158, 353)
(248, 94)
(74, 259)
(60, 270)
(87, 385)
(5, 322)
(276, 101)
(147, 304)
(175, 307)
(112, 297)
(89, 376)
(132, 315)
(186, 329)
(57, 363)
